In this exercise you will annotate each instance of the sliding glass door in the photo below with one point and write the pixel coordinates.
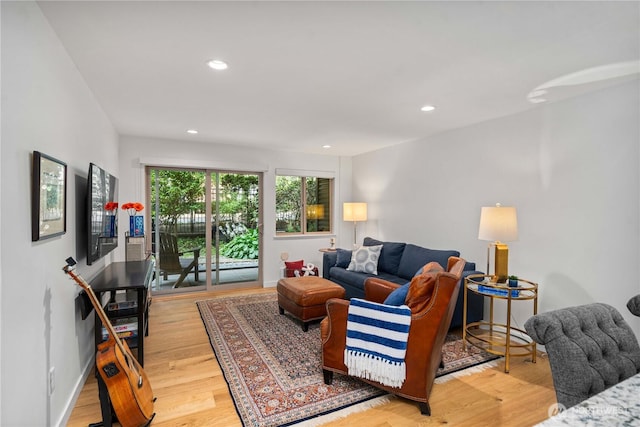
(236, 227)
(207, 224)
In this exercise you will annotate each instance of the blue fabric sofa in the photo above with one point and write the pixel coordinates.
(398, 263)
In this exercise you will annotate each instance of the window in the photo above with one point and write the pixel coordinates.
(303, 204)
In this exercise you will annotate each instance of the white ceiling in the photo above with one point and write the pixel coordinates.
(350, 74)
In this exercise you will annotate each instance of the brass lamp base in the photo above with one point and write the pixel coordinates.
(501, 260)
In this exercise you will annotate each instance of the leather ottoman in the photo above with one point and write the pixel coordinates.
(305, 297)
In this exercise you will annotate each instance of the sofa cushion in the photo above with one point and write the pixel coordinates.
(351, 278)
(343, 258)
(414, 257)
(389, 256)
(391, 278)
(365, 259)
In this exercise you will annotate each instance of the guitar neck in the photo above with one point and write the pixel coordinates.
(97, 305)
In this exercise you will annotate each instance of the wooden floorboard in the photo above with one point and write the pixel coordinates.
(191, 390)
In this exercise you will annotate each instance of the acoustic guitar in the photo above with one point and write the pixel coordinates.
(129, 389)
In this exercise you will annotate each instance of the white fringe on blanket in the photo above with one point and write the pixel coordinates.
(377, 341)
(374, 368)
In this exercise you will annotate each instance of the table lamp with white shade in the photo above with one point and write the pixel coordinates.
(498, 224)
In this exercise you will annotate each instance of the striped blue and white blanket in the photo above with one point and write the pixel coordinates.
(377, 341)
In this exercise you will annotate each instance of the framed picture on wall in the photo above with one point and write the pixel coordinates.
(48, 197)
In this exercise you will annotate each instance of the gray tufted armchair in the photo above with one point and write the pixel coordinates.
(634, 305)
(590, 347)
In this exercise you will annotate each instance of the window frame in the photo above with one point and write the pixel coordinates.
(303, 199)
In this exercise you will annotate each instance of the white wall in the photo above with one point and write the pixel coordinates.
(571, 169)
(224, 156)
(46, 106)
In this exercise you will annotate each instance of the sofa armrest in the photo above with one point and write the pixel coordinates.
(377, 290)
(329, 259)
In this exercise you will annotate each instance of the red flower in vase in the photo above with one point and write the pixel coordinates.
(132, 208)
(111, 206)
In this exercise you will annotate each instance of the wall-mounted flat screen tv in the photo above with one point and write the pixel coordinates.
(102, 213)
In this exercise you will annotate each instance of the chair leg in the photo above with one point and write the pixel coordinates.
(328, 376)
(185, 273)
(425, 409)
(280, 310)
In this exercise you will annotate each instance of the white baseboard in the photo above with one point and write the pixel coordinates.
(270, 284)
(71, 403)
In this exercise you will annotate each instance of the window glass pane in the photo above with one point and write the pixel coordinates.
(303, 204)
(318, 213)
(288, 204)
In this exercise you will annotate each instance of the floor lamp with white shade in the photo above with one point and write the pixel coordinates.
(354, 211)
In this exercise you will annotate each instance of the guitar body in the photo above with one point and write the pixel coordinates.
(127, 383)
(132, 403)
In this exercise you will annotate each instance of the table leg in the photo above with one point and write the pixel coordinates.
(508, 335)
(464, 317)
(491, 316)
(535, 311)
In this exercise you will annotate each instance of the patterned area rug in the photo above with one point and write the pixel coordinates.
(273, 368)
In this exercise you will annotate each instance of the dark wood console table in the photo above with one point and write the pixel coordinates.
(121, 279)
(128, 285)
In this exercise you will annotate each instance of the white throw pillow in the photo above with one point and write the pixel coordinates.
(365, 259)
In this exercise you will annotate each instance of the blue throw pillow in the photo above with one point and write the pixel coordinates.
(398, 296)
(343, 258)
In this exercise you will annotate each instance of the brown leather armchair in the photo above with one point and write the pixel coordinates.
(432, 298)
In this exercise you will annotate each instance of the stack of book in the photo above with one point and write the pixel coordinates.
(497, 291)
(125, 328)
(122, 305)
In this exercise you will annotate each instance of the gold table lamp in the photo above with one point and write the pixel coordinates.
(498, 224)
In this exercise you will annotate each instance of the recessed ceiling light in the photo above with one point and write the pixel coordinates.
(326, 146)
(192, 131)
(216, 64)
(428, 108)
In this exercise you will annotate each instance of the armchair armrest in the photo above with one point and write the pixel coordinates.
(377, 290)
(333, 333)
(196, 252)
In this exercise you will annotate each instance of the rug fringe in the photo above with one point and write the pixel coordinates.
(345, 412)
(466, 372)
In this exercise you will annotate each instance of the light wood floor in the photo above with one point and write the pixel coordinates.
(191, 390)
